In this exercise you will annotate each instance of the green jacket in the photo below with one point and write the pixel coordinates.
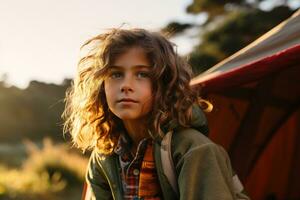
(204, 172)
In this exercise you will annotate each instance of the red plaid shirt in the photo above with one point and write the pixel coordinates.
(138, 172)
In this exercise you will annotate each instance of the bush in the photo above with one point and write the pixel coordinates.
(56, 160)
(50, 172)
(15, 184)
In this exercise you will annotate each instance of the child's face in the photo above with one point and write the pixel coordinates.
(128, 87)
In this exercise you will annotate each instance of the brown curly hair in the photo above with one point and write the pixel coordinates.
(87, 117)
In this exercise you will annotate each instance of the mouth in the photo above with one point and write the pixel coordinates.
(127, 100)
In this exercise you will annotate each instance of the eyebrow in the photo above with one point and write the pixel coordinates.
(134, 67)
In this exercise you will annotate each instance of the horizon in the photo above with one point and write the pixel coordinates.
(42, 39)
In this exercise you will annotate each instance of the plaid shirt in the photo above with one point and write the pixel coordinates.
(138, 172)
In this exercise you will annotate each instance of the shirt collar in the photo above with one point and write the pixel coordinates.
(124, 144)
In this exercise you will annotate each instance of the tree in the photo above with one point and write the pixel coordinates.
(34, 112)
(3, 80)
(230, 26)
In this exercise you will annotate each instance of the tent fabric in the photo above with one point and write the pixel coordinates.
(248, 119)
(276, 173)
(250, 71)
(256, 115)
(284, 36)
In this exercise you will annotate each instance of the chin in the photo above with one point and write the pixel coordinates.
(129, 116)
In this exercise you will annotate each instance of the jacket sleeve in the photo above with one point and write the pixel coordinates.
(204, 173)
(97, 185)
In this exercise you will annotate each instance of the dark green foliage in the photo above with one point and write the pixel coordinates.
(241, 28)
(174, 28)
(201, 61)
(214, 7)
(230, 26)
(237, 30)
(33, 112)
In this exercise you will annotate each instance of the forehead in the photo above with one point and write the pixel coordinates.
(132, 56)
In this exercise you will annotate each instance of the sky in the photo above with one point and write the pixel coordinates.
(40, 39)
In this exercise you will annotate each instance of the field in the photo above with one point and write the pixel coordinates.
(41, 170)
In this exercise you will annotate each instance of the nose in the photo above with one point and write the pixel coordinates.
(126, 85)
(126, 88)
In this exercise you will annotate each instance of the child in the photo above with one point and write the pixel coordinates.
(131, 89)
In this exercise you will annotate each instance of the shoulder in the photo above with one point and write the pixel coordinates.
(189, 137)
(189, 141)
(98, 163)
(97, 160)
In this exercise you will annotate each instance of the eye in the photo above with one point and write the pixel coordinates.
(115, 75)
(142, 74)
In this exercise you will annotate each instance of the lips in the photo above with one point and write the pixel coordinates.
(127, 100)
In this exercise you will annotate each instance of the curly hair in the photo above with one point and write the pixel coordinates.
(87, 117)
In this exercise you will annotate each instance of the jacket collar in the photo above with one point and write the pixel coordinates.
(198, 122)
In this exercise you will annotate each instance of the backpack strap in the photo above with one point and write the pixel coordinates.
(169, 168)
(86, 192)
(167, 161)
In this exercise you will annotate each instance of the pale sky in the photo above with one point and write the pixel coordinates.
(40, 39)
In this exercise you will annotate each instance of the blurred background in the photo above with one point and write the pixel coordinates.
(39, 49)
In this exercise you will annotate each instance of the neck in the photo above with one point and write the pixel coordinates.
(137, 130)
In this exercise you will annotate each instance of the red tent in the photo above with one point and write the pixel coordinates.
(256, 116)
